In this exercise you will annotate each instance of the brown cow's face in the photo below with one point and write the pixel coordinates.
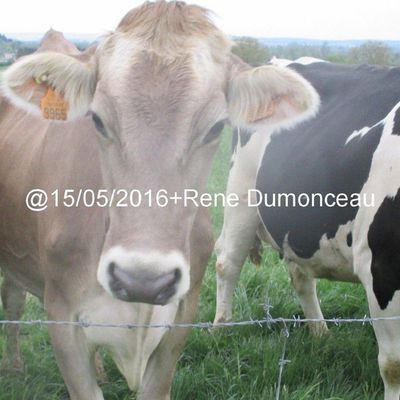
(159, 90)
(159, 121)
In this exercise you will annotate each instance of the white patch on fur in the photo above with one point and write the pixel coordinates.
(308, 60)
(124, 50)
(361, 132)
(156, 262)
(333, 259)
(383, 181)
(280, 62)
(284, 62)
(74, 79)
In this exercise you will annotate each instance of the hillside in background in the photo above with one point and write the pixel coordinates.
(16, 45)
(256, 51)
(11, 49)
(8, 49)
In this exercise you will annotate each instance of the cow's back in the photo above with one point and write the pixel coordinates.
(325, 155)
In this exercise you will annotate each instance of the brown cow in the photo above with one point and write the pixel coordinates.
(144, 112)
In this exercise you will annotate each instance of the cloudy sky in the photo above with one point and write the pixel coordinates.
(323, 19)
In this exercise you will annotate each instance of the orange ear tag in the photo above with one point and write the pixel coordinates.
(54, 106)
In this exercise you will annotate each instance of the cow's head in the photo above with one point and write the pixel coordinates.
(159, 90)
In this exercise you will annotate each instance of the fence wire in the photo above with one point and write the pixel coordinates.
(268, 321)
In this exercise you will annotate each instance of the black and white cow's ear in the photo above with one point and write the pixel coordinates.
(270, 95)
(49, 83)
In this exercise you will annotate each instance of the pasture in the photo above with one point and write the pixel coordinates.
(236, 363)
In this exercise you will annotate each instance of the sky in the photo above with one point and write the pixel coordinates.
(319, 19)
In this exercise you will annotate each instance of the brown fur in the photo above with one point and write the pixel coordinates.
(391, 372)
(55, 41)
(151, 78)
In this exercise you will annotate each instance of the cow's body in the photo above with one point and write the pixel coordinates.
(53, 254)
(144, 112)
(351, 147)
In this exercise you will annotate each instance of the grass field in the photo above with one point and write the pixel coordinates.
(238, 363)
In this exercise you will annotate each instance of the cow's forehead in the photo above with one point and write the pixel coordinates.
(157, 88)
(168, 30)
(130, 59)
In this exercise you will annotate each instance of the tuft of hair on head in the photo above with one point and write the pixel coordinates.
(173, 26)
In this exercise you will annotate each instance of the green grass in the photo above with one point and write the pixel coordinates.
(238, 363)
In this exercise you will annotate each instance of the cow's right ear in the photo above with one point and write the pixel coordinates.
(68, 80)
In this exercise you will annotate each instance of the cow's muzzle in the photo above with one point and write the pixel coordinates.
(143, 288)
(144, 278)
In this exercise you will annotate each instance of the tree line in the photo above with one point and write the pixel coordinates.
(256, 53)
(371, 52)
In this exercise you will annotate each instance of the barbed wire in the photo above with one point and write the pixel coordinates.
(268, 321)
(293, 321)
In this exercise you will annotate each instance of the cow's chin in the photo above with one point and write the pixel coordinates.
(144, 277)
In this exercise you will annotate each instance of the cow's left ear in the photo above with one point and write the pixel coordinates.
(270, 95)
(38, 80)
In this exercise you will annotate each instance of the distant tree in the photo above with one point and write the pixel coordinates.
(4, 38)
(396, 58)
(251, 50)
(371, 53)
(325, 50)
(25, 50)
(339, 58)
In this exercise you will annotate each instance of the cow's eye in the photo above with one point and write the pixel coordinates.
(214, 132)
(98, 123)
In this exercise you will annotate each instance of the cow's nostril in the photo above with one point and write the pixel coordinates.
(143, 286)
(177, 275)
(111, 268)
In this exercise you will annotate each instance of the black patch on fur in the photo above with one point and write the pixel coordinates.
(313, 157)
(235, 139)
(396, 123)
(384, 242)
(349, 239)
(214, 132)
(241, 136)
(234, 143)
(245, 136)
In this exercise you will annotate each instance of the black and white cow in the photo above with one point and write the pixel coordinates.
(329, 194)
